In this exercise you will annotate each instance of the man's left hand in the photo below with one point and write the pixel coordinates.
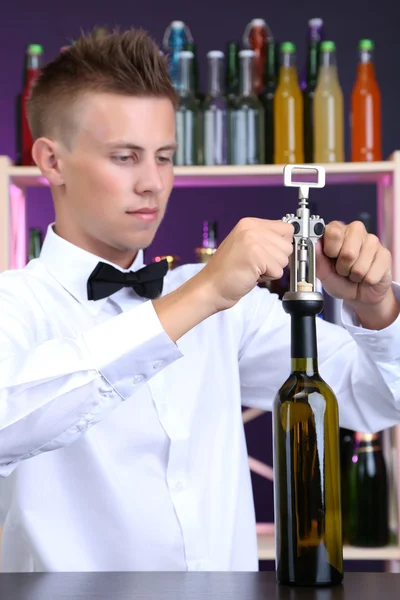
(353, 265)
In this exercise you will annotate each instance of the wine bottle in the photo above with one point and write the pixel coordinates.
(368, 493)
(308, 519)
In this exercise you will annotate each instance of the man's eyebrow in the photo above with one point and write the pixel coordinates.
(130, 146)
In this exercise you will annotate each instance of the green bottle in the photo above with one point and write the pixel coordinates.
(187, 114)
(308, 99)
(191, 47)
(368, 493)
(246, 118)
(267, 99)
(308, 525)
(232, 72)
(35, 242)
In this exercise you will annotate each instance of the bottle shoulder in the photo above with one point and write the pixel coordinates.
(299, 387)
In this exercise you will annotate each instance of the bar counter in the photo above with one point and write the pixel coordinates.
(188, 586)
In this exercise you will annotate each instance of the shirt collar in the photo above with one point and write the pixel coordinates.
(71, 266)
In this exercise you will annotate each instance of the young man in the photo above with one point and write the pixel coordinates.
(121, 439)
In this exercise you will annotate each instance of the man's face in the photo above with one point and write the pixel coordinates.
(118, 175)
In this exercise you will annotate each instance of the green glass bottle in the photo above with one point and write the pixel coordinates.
(368, 493)
(308, 99)
(246, 119)
(35, 242)
(267, 98)
(308, 525)
(191, 47)
(187, 114)
(232, 72)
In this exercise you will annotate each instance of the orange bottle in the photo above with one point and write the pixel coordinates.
(366, 125)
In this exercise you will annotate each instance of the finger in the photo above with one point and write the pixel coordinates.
(333, 238)
(381, 267)
(282, 228)
(324, 265)
(354, 236)
(362, 265)
(274, 239)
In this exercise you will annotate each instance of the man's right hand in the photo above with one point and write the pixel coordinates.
(255, 250)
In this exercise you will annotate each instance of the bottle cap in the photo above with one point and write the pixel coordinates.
(215, 54)
(315, 22)
(35, 49)
(257, 23)
(366, 45)
(288, 47)
(177, 24)
(186, 54)
(247, 53)
(328, 46)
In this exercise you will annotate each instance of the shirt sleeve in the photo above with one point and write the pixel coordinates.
(52, 392)
(361, 366)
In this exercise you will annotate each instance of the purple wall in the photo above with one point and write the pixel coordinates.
(213, 23)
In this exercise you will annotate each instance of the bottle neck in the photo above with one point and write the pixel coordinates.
(246, 76)
(303, 336)
(195, 70)
(366, 70)
(305, 365)
(270, 65)
(232, 69)
(312, 63)
(215, 76)
(186, 76)
(288, 59)
(33, 61)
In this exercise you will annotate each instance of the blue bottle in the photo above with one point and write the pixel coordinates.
(176, 36)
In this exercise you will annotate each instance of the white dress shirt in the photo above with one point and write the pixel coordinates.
(123, 451)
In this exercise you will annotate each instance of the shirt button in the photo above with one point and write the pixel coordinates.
(179, 486)
(137, 379)
(106, 392)
(158, 364)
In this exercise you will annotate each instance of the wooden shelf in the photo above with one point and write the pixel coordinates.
(266, 550)
(232, 176)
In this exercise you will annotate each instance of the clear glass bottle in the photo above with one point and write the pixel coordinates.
(215, 116)
(246, 119)
(187, 114)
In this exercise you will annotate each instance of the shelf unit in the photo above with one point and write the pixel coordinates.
(385, 175)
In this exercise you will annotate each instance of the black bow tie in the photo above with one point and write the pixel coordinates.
(106, 280)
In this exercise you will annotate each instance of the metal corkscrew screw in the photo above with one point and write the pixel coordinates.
(307, 230)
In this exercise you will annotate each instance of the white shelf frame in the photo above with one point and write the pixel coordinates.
(385, 175)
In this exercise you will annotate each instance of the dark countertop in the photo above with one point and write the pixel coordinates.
(188, 586)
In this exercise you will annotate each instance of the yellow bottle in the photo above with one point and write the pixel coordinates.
(328, 109)
(288, 110)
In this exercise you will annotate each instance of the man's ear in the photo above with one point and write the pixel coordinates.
(46, 154)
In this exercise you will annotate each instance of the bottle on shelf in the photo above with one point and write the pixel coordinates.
(187, 114)
(365, 120)
(35, 242)
(232, 72)
(172, 260)
(255, 38)
(315, 32)
(176, 36)
(191, 46)
(267, 99)
(209, 241)
(288, 110)
(368, 493)
(215, 113)
(246, 119)
(34, 55)
(328, 109)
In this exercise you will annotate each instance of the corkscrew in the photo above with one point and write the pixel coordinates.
(307, 231)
